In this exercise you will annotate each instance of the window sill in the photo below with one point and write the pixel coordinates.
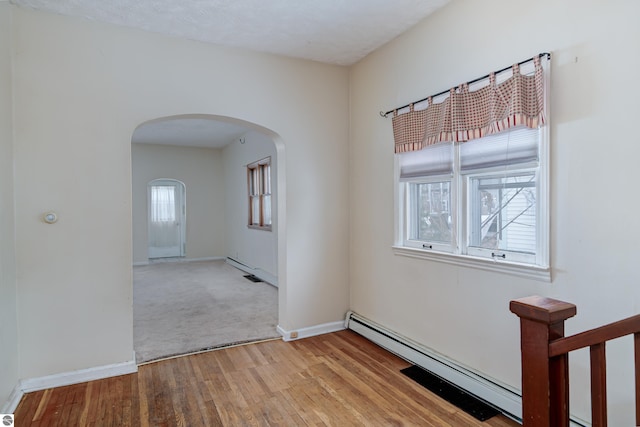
(257, 227)
(521, 270)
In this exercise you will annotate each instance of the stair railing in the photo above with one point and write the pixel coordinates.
(545, 370)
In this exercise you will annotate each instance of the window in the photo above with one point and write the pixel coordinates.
(163, 203)
(488, 204)
(430, 213)
(259, 185)
(426, 177)
(480, 202)
(502, 216)
(166, 228)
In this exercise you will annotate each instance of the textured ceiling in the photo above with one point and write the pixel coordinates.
(332, 31)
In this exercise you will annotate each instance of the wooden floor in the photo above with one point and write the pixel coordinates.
(338, 379)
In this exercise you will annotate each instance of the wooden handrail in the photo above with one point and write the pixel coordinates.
(545, 373)
(595, 336)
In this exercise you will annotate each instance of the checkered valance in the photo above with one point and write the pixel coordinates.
(466, 115)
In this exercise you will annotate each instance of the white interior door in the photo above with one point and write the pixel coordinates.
(166, 218)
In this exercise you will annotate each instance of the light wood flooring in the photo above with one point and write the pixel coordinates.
(338, 379)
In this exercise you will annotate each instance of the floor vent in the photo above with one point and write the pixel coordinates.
(253, 278)
(452, 394)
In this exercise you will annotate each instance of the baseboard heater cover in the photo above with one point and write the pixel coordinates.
(256, 272)
(509, 401)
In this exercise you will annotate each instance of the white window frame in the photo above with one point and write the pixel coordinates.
(429, 245)
(537, 268)
(498, 254)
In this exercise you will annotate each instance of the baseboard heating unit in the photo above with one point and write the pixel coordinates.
(501, 396)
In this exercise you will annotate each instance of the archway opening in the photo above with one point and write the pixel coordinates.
(209, 155)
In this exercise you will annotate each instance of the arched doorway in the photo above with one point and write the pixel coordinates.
(238, 141)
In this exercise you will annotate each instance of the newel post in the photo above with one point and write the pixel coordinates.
(545, 381)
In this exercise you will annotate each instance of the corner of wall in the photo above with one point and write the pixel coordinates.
(9, 356)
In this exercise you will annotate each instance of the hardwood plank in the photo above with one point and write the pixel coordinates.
(42, 406)
(28, 407)
(338, 379)
(72, 404)
(302, 403)
(143, 393)
(293, 416)
(49, 415)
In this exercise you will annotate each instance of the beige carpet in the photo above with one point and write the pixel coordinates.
(184, 307)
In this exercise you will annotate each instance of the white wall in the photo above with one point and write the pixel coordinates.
(8, 317)
(462, 312)
(81, 88)
(255, 248)
(201, 170)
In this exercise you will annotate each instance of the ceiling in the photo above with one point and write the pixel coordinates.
(191, 132)
(332, 31)
(338, 32)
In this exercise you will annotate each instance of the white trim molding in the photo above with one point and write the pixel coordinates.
(213, 258)
(12, 402)
(527, 271)
(79, 376)
(310, 331)
(176, 259)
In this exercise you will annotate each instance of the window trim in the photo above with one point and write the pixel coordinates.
(540, 271)
(259, 168)
(527, 271)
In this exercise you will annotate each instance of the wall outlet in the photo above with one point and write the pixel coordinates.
(293, 335)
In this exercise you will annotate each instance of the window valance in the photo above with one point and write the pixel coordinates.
(465, 115)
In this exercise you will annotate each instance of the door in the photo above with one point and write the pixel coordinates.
(166, 218)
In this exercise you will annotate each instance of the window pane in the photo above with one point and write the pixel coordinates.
(163, 205)
(255, 183)
(255, 210)
(503, 213)
(267, 210)
(266, 179)
(430, 214)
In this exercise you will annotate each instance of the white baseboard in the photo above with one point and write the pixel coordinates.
(215, 258)
(161, 260)
(11, 404)
(310, 331)
(261, 274)
(492, 391)
(75, 377)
